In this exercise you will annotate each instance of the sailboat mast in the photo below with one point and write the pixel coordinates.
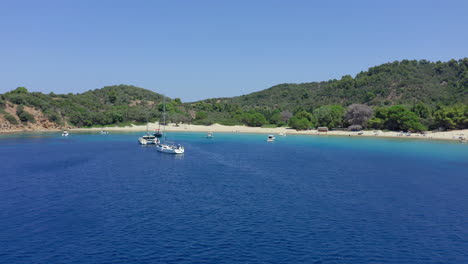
(164, 110)
(164, 118)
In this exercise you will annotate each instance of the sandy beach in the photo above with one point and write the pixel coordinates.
(446, 135)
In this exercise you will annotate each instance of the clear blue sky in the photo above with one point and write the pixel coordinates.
(200, 49)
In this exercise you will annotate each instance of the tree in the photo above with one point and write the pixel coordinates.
(20, 90)
(452, 117)
(305, 114)
(201, 115)
(254, 119)
(302, 120)
(285, 115)
(358, 114)
(330, 116)
(170, 107)
(346, 82)
(376, 123)
(275, 118)
(299, 123)
(112, 97)
(400, 118)
(24, 116)
(421, 109)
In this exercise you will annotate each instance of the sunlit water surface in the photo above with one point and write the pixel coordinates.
(235, 198)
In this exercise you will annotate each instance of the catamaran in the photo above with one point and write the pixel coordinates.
(149, 139)
(167, 147)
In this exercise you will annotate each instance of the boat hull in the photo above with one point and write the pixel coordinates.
(169, 149)
(143, 141)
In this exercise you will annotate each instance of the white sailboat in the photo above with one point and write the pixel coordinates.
(166, 147)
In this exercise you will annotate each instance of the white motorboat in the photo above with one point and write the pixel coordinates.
(65, 133)
(103, 132)
(271, 138)
(282, 134)
(209, 135)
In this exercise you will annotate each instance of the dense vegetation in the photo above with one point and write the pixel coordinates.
(425, 95)
(403, 95)
(121, 104)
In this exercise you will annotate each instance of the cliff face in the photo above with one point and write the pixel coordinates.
(11, 122)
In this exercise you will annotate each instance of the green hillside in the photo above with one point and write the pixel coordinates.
(120, 104)
(406, 82)
(436, 92)
(402, 95)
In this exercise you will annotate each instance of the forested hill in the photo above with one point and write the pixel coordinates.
(406, 95)
(111, 105)
(400, 82)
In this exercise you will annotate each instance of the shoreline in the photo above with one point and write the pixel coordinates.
(216, 128)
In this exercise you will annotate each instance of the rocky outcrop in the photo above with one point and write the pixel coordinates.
(41, 120)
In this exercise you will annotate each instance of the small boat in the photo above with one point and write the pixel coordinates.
(158, 133)
(103, 132)
(65, 133)
(271, 138)
(209, 135)
(282, 134)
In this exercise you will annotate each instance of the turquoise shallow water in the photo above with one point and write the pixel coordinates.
(93, 198)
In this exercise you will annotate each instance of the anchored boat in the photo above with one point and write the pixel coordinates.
(166, 147)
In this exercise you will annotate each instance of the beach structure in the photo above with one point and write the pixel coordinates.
(322, 129)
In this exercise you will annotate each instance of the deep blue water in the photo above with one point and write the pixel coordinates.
(233, 199)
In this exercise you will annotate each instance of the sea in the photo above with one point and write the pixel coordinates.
(235, 198)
